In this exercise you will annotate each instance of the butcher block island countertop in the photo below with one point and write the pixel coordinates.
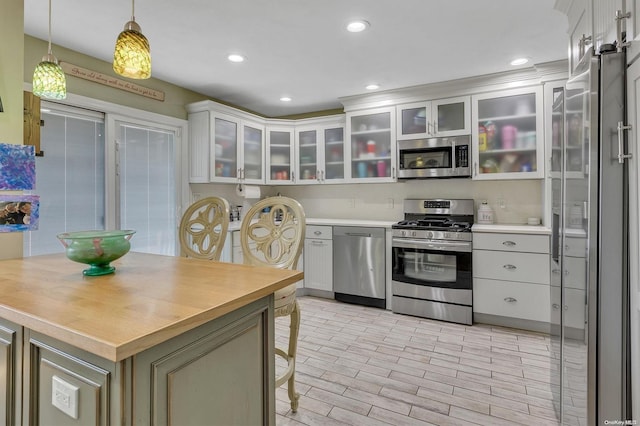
(149, 299)
(163, 340)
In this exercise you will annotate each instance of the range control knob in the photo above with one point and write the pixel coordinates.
(414, 233)
(429, 234)
(403, 233)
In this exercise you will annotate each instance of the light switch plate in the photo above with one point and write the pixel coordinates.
(64, 396)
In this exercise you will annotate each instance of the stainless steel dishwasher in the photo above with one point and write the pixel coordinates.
(359, 265)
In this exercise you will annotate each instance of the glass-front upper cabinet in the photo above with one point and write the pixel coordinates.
(320, 153)
(225, 153)
(508, 141)
(372, 155)
(280, 155)
(252, 153)
(441, 117)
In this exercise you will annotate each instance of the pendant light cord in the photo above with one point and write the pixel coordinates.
(133, 10)
(50, 52)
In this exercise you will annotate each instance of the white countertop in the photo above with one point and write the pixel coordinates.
(512, 229)
(351, 222)
(235, 225)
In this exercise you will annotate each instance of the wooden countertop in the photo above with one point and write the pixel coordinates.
(149, 299)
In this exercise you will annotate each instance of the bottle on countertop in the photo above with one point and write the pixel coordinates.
(485, 214)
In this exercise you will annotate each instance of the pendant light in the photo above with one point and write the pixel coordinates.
(48, 78)
(132, 56)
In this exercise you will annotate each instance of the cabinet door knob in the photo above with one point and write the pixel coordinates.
(556, 271)
(555, 306)
(510, 299)
(508, 243)
(509, 267)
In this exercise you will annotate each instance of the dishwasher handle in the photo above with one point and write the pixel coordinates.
(357, 234)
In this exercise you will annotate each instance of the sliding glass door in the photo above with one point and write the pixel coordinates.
(145, 172)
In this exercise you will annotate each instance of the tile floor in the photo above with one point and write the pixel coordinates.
(367, 366)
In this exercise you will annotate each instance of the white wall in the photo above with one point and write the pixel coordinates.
(522, 198)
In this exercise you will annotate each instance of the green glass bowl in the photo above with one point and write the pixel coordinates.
(96, 248)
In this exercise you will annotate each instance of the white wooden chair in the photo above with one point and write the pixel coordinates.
(203, 228)
(272, 234)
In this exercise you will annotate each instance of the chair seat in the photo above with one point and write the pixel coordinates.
(284, 297)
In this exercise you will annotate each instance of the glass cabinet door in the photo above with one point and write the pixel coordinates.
(508, 135)
(557, 131)
(451, 117)
(225, 148)
(371, 146)
(333, 155)
(308, 155)
(414, 120)
(280, 144)
(252, 153)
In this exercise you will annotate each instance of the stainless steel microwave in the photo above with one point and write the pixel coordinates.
(434, 158)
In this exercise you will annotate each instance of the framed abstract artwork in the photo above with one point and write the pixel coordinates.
(19, 212)
(17, 167)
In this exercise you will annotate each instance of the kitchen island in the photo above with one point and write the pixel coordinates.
(164, 340)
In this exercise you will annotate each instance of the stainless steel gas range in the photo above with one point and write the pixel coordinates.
(431, 274)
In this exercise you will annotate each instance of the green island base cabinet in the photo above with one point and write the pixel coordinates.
(159, 342)
(511, 279)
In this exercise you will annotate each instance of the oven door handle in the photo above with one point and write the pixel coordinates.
(461, 246)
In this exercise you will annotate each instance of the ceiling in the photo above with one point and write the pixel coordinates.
(301, 49)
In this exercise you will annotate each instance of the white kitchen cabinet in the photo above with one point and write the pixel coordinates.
(372, 157)
(225, 145)
(320, 152)
(511, 279)
(280, 154)
(318, 258)
(508, 134)
(441, 117)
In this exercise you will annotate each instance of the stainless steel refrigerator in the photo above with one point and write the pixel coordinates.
(589, 292)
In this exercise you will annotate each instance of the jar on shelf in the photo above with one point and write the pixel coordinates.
(485, 214)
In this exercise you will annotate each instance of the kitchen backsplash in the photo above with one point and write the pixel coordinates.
(512, 201)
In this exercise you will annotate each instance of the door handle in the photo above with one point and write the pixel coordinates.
(621, 155)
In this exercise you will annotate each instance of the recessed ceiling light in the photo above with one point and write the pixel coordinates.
(372, 87)
(285, 99)
(234, 57)
(357, 26)
(519, 61)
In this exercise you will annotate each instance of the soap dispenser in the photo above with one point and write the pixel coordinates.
(485, 214)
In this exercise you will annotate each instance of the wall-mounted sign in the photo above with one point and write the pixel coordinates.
(111, 81)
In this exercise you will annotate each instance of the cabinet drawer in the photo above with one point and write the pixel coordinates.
(511, 242)
(575, 273)
(500, 265)
(511, 299)
(319, 232)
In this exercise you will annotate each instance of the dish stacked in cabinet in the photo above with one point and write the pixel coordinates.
(511, 277)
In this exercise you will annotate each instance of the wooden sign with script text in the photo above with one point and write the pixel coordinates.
(111, 81)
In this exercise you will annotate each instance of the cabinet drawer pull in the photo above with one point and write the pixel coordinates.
(317, 233)
(556, 271)
(509, 267)
(510, 299)
(508, 243)
(555, 306)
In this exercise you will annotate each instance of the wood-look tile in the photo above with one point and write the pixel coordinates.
(379, 401)
(491, 399)
(335, 400)
(454, 400)
(520, 418)
(366, 366)
(351, 418)
(391, 418)
(432, 417)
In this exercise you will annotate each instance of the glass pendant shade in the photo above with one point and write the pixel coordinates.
(48, 79)
(132, 55)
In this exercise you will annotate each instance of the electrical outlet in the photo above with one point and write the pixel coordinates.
(502, 203)
(390, 203)
(64, 396)
(352, 203)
